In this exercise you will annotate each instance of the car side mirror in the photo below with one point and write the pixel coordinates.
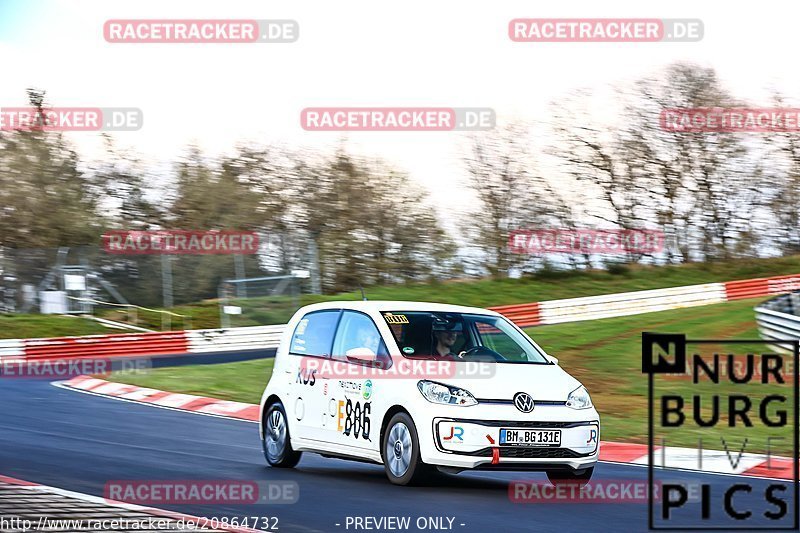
(553, 359)
(363, 355)
(364, 358)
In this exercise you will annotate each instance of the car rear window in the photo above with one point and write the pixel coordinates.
(314, 333)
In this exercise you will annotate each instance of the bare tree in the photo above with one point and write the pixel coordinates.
(511, 195)
(782, 188)
(701, 188)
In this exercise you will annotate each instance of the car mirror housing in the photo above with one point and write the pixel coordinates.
(363, 355)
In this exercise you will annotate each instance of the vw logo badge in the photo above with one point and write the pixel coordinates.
(523, 401)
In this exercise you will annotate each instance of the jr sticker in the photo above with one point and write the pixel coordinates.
(456, 432)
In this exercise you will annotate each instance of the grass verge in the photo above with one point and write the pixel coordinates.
(547, 285)
(35, 326)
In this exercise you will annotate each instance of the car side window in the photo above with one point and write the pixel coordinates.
(314, 333)
(497, 340)
(358, 336)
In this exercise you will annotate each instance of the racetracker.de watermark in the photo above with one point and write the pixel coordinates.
(730, 120)
(197, 31)
(52, 369)
(601, 491)
(612, 30)
(71, 119)
(393, 368)
(202, 492)
(168, 242)
(586, 241)
(397, 118)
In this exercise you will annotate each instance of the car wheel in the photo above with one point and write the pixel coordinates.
(275, 441)
(400, 452)
(570, 477)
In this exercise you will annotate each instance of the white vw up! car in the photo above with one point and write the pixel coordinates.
(414, 385)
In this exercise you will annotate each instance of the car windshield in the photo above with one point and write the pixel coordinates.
(461, 337)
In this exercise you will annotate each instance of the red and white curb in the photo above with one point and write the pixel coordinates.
(169, 400)
(161, 513)
(707, 461)
(689, 459)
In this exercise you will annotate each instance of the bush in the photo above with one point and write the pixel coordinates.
(618, 269)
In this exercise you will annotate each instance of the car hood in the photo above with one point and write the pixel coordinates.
(542, 382)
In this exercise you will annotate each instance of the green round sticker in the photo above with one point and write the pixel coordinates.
(367, 391)
(408, 350)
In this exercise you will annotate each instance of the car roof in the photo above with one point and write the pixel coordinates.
(392, 305)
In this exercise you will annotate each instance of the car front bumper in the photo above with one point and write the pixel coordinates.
(470, 438)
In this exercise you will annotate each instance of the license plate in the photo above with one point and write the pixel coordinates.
(530, 437)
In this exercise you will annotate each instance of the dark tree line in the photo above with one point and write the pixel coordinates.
(364, 221)
(359, 221)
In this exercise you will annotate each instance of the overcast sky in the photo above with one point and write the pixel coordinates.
(411, 53)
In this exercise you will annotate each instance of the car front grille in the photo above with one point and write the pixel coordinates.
(530, 424)
(519, 452)
(496, 401)
(524, 423)
(538, 453)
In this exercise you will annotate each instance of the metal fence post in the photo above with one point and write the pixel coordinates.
(166, 277)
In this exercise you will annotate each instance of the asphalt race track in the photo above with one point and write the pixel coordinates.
(79, 442)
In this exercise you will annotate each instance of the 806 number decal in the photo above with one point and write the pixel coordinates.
(354, 418)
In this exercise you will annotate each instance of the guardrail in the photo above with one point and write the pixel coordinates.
(778, 320)
(526, 315)
(249, 338)
(130, 345)
(750, 288)
(144, 344)
(523, 315)
(630, 303)
(649, 301)
(12, 348)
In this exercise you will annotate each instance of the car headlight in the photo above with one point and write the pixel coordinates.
(579, 399)
(445, 394)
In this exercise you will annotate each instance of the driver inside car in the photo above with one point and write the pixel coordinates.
(445, 335)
